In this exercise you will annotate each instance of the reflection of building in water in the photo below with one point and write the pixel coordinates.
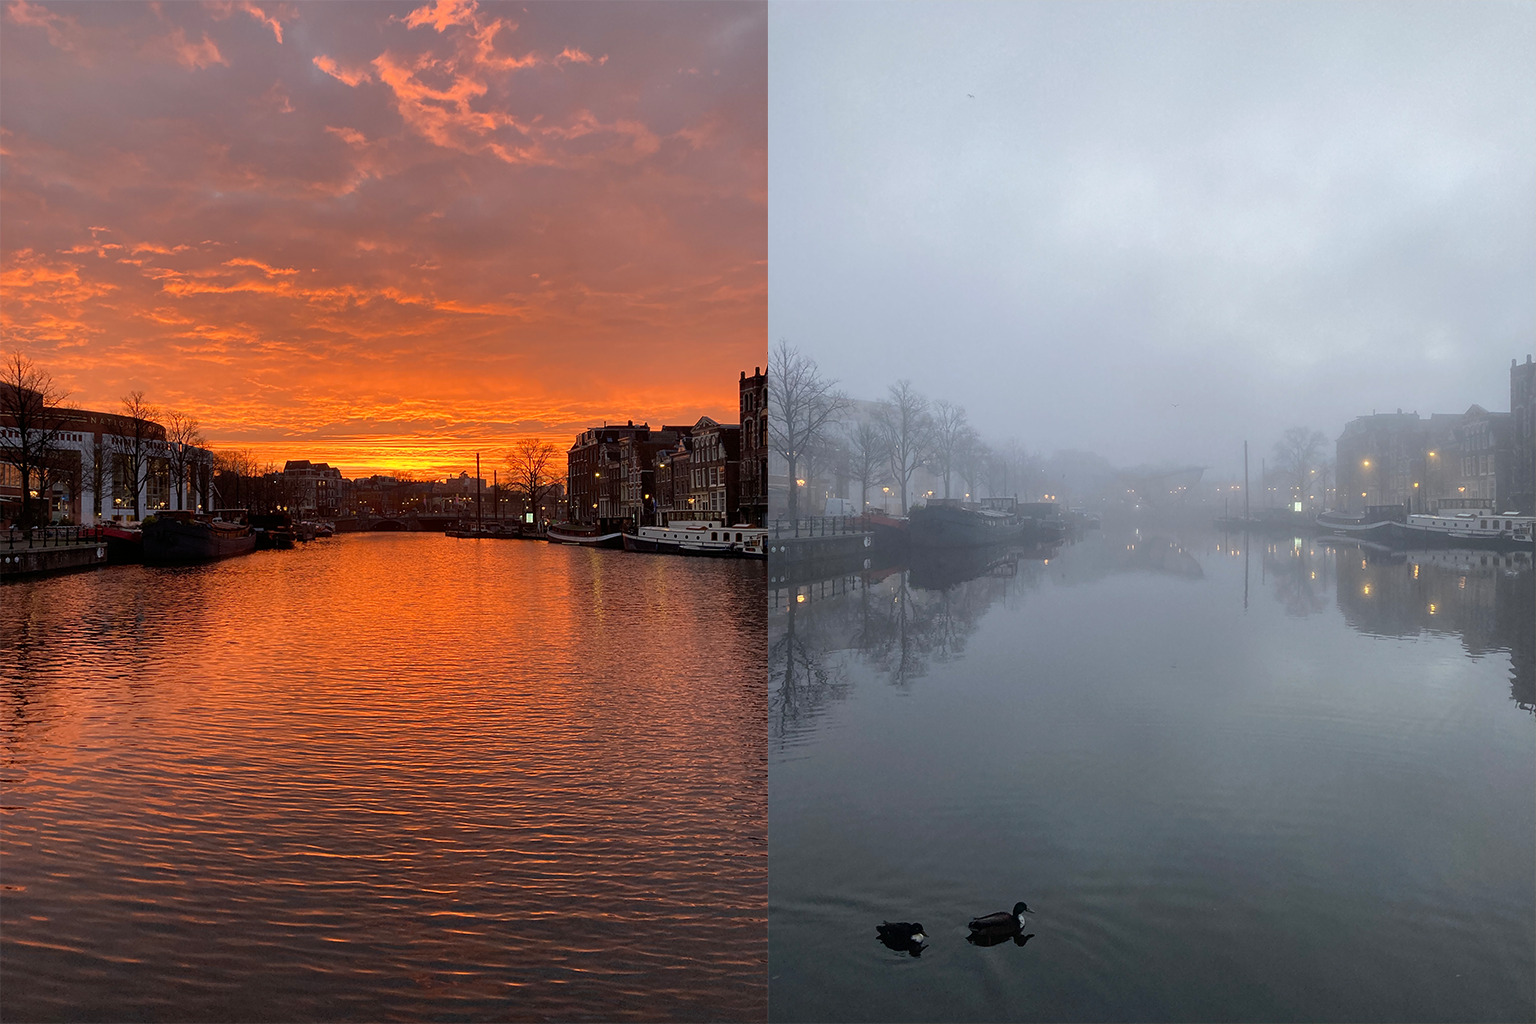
(1486, 598)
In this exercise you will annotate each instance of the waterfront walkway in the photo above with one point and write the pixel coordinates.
(50, 549)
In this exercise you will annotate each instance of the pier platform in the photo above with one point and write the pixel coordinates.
(821, 539)
(57, 549)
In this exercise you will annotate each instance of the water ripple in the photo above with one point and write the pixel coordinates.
(386, 777)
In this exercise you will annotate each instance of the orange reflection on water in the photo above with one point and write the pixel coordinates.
(420, 772)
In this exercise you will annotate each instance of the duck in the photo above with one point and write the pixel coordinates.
(1002, 921)
(902, 936)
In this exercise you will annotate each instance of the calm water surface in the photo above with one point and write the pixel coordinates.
(1288, 781)
(386, 776)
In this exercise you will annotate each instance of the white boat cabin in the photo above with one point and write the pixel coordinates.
(1476, 524)
(708, 535)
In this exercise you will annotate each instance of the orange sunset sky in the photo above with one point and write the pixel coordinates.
(383, 235)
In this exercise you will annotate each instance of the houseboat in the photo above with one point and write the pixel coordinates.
(1485, 529)
(125, 541)
(952, 523)
(183, 537)
(274, 531)
(1374, 524)
(1043, 521)
(700, 537)
(584, 535)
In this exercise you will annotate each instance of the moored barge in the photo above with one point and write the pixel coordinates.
(1484, 529)
(952, 523)
(583, 535)
(700, 537)
(183, 537)
(1375, 523)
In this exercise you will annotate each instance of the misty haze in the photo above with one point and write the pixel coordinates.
(1151, 502)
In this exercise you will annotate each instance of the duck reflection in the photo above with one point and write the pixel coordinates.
(997, 936)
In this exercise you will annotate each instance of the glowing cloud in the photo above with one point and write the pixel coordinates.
(493, 231)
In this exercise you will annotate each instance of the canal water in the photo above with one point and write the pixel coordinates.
(386, 777)
(1259, 780)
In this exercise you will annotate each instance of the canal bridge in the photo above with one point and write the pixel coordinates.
(381, 523)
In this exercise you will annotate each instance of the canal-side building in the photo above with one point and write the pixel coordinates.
(1521, 492)
(591, 479)
(107, 466)
(1477, 459)
(640, 476)
(754, 447)
(636, 474)
(313, 486)
(714, 471)
(672, 474)
(1395, 459)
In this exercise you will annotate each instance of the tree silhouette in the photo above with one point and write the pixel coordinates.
(908, 430)
(803, 406)
(33, 406)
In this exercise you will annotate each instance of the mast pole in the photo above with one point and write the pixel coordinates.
(1245, 481)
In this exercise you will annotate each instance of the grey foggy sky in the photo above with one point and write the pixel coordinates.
(1157, 229)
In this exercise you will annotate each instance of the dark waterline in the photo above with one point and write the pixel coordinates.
(1287, 782)
(392, 776)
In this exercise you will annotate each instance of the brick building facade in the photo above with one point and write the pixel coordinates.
(1521, 493)
(754, 448)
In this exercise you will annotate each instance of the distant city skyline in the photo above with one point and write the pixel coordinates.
(387, 236)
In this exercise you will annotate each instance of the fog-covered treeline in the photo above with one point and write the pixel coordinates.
(896, 448)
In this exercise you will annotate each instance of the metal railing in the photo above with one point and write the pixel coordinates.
(819, 526)
(52, 536)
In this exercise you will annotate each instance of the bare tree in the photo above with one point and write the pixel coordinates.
(233, 470)
(530, 467)
(908, 429)
(1322, 483)
(137, 447)
(1296, 456)
(183, 438)
(1009, 468)
(93, 472)
(949, 429)
(802, 409)
(971, 455)
(32, 407)
(867, 457)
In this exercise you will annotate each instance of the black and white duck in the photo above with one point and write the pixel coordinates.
(902, 936)
(1002, 921)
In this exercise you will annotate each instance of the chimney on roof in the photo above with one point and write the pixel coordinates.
(743, 374)
(630, 423)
